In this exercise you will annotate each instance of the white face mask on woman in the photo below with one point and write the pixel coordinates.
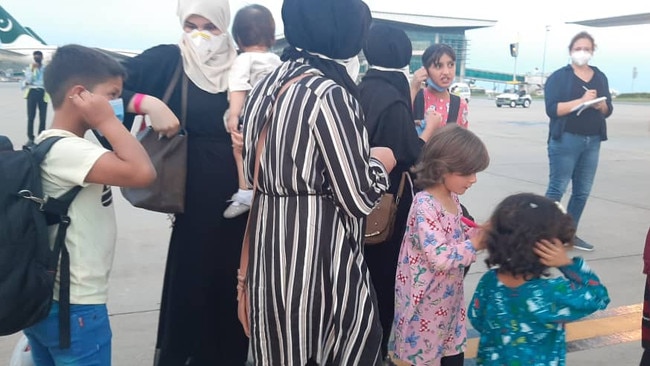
(206, 45)
(581, 57)
(352, 66)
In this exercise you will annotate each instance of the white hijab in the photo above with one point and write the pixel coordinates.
(211, 75)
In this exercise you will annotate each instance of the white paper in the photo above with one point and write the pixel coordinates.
(581, 107)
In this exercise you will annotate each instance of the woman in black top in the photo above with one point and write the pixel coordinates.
(574, 134)
(198, 322)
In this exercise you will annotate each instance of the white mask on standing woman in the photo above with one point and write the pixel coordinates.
(207, 57)
(207, 45)
(581, 57)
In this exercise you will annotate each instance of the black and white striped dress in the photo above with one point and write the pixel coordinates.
(311, 297)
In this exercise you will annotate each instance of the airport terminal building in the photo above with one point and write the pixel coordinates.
(425, 30)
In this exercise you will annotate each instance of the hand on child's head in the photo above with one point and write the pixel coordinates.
(94, 108)
(552, 253)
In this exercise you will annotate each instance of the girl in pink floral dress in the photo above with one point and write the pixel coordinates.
(429, 323)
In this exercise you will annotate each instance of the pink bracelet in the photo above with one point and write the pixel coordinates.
(137, 101)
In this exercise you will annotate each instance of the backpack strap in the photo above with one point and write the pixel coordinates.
(42, 148)
(418, 105)
(454, 108)
(56, 211)
(59, 207)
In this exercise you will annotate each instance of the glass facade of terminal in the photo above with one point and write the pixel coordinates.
(421, 37)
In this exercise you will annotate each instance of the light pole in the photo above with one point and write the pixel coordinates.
(548, 27)
(514, 52)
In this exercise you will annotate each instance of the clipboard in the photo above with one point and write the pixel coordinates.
(581, 107)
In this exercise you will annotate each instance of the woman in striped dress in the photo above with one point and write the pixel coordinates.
(310, 297)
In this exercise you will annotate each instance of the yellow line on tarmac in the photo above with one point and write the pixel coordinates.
(624, 321)
(592, 328)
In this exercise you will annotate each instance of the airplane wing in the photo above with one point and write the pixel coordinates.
(12, 63)
(10, 55)
(114, 54)
(17, 43)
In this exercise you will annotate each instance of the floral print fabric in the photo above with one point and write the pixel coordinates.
(429, 302)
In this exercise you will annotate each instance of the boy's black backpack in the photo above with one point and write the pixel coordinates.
(27, 264)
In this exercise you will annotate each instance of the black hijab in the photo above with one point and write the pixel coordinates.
(334, 28)
(387, 47)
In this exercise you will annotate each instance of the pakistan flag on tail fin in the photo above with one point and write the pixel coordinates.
(10, 29)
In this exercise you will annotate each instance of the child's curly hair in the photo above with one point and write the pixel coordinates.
(517, 223)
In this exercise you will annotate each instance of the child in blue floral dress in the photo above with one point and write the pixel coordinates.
(520, 314)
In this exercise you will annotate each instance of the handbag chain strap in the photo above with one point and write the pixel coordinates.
(400, 190)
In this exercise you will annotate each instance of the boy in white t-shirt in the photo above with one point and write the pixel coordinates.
(85, 87)
(254, 31)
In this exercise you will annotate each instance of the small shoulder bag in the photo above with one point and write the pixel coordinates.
(381, 220)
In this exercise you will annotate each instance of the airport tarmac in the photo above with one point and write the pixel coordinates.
(616, 219)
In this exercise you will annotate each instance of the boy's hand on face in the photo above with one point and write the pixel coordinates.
(95, 109)
(552, 253)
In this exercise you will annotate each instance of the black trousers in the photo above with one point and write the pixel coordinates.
(35, 98)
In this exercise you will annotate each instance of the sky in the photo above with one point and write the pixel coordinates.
(140, 24)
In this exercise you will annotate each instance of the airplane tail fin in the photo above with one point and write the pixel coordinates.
(33, 34)
(10, 29)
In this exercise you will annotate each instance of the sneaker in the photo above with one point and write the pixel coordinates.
(236, 208)
(582, 245)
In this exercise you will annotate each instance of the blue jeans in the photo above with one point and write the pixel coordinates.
(90, 338)
(573, 158)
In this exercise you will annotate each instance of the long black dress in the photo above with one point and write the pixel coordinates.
(198, 322)
(387, 107)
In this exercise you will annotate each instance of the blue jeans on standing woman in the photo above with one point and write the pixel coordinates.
(90, 338)
(573, 158)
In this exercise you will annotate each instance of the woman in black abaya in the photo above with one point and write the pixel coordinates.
(386, 102)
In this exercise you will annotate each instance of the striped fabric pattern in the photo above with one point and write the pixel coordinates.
(311, 298)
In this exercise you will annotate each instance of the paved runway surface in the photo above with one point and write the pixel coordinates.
(615, 220)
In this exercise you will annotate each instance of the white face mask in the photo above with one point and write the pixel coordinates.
(406, 71)
(352, 67)
(206, 45)
(581, 57)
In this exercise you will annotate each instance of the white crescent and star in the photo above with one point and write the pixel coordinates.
(7, 27)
